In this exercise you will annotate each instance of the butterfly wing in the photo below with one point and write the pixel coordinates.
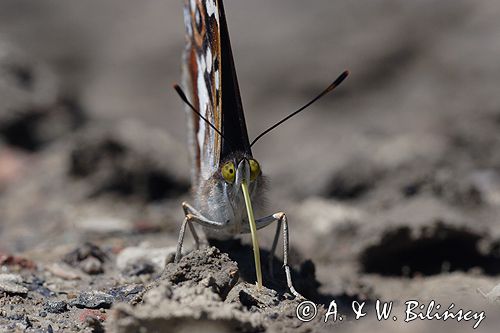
(212, 86)
(201, 76)
(233, 119)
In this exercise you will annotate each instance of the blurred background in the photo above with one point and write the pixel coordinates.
(391, 183)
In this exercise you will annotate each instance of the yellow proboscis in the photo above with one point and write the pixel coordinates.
(253, 230)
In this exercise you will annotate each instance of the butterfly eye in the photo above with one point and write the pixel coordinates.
(228, 172)
(254, 169)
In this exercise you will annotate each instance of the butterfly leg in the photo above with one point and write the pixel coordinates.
(273, 248)
(192, 215)
(188, 209)
(281, 219)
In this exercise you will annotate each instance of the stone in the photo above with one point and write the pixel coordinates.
(93, 300)
(131, 256)
(56, 306)
(12, 284)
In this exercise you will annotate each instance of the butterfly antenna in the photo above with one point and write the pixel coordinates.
(182, 95)
(331, 87)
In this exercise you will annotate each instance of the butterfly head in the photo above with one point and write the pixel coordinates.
(222, 196)
(238, 169)
(238, 183)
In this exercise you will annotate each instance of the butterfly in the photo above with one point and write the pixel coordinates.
(227, 182)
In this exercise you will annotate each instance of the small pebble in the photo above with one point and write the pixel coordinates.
(126, 293)
(140, 268)
(12, 284)
(75, 257)
(37, 284)
(92, 313)
(93, 300)
(92, 266)
(131, 256)
(94, 323)
(56, 306)
(64, 272)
